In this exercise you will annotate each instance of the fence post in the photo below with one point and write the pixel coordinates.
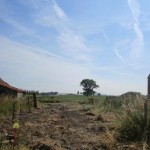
(147, 102)
(29, 110)
(14, 111)
(146, 111)
(35, 100)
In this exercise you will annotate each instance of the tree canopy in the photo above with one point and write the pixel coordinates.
(88, 86)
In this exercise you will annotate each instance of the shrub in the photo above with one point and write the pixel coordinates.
(132, 127)
(132, 121)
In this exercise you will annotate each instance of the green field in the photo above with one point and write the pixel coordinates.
(68, 98)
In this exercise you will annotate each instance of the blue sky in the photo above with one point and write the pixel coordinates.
(51, 45)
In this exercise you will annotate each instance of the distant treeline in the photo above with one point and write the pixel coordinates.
(31, 92)
(48, 93)
(41, 93)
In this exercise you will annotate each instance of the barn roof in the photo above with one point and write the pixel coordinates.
(6, 85)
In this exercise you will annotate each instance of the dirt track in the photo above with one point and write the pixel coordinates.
(66, 127)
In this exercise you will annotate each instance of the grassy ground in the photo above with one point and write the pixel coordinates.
(79, 122)
(69, 98)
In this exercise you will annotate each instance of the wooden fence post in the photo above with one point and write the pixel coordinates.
(147, 103)
(146, 111)
(14, 111)
(35, 100)
(29, 110)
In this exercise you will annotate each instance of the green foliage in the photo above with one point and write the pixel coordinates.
(132, 123)
(132, 127)
(88, 86)
(112, 104)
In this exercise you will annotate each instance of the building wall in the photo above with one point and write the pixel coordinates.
(7, 91)
(19, 95)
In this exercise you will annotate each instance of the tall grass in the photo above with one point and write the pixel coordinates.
(6, 104)
(132, 127)
(111, 105)
(129, 112)
(132, 122)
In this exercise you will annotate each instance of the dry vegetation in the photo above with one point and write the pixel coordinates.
(83, 125)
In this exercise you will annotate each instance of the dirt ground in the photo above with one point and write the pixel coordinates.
(59, 126)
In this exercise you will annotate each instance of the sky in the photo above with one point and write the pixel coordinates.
(52, 45)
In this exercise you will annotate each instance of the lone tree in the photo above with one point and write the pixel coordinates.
(88, 86)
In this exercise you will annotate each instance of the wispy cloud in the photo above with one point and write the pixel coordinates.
(23, 29)
(8, 16)
(138, 42)
(130, 50)
(49, 14)
(72, 43)
(27, 65)
(59, 12)
(118, 54)
(134, 7)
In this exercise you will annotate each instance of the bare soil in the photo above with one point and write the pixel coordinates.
(59, 126)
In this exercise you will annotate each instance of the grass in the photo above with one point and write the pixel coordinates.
(68, 98)
(6, 105)
(128, 114)
(131, 125)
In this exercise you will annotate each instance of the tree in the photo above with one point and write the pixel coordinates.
(88, 86)
(98, 94)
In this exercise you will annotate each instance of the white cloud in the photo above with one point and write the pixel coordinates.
(121, 50)
(18, 26)
(118, 54)
(72, 43)
(105, 35)
(138, 42)
(32, 67)
(8, 15)
(59, 12)
(24, 68)
(131, 49)
(134, 7)
(74, 46)
(31, 70)
(49, 14)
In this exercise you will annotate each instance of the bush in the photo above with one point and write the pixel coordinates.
(132, 127)
(132, 122)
